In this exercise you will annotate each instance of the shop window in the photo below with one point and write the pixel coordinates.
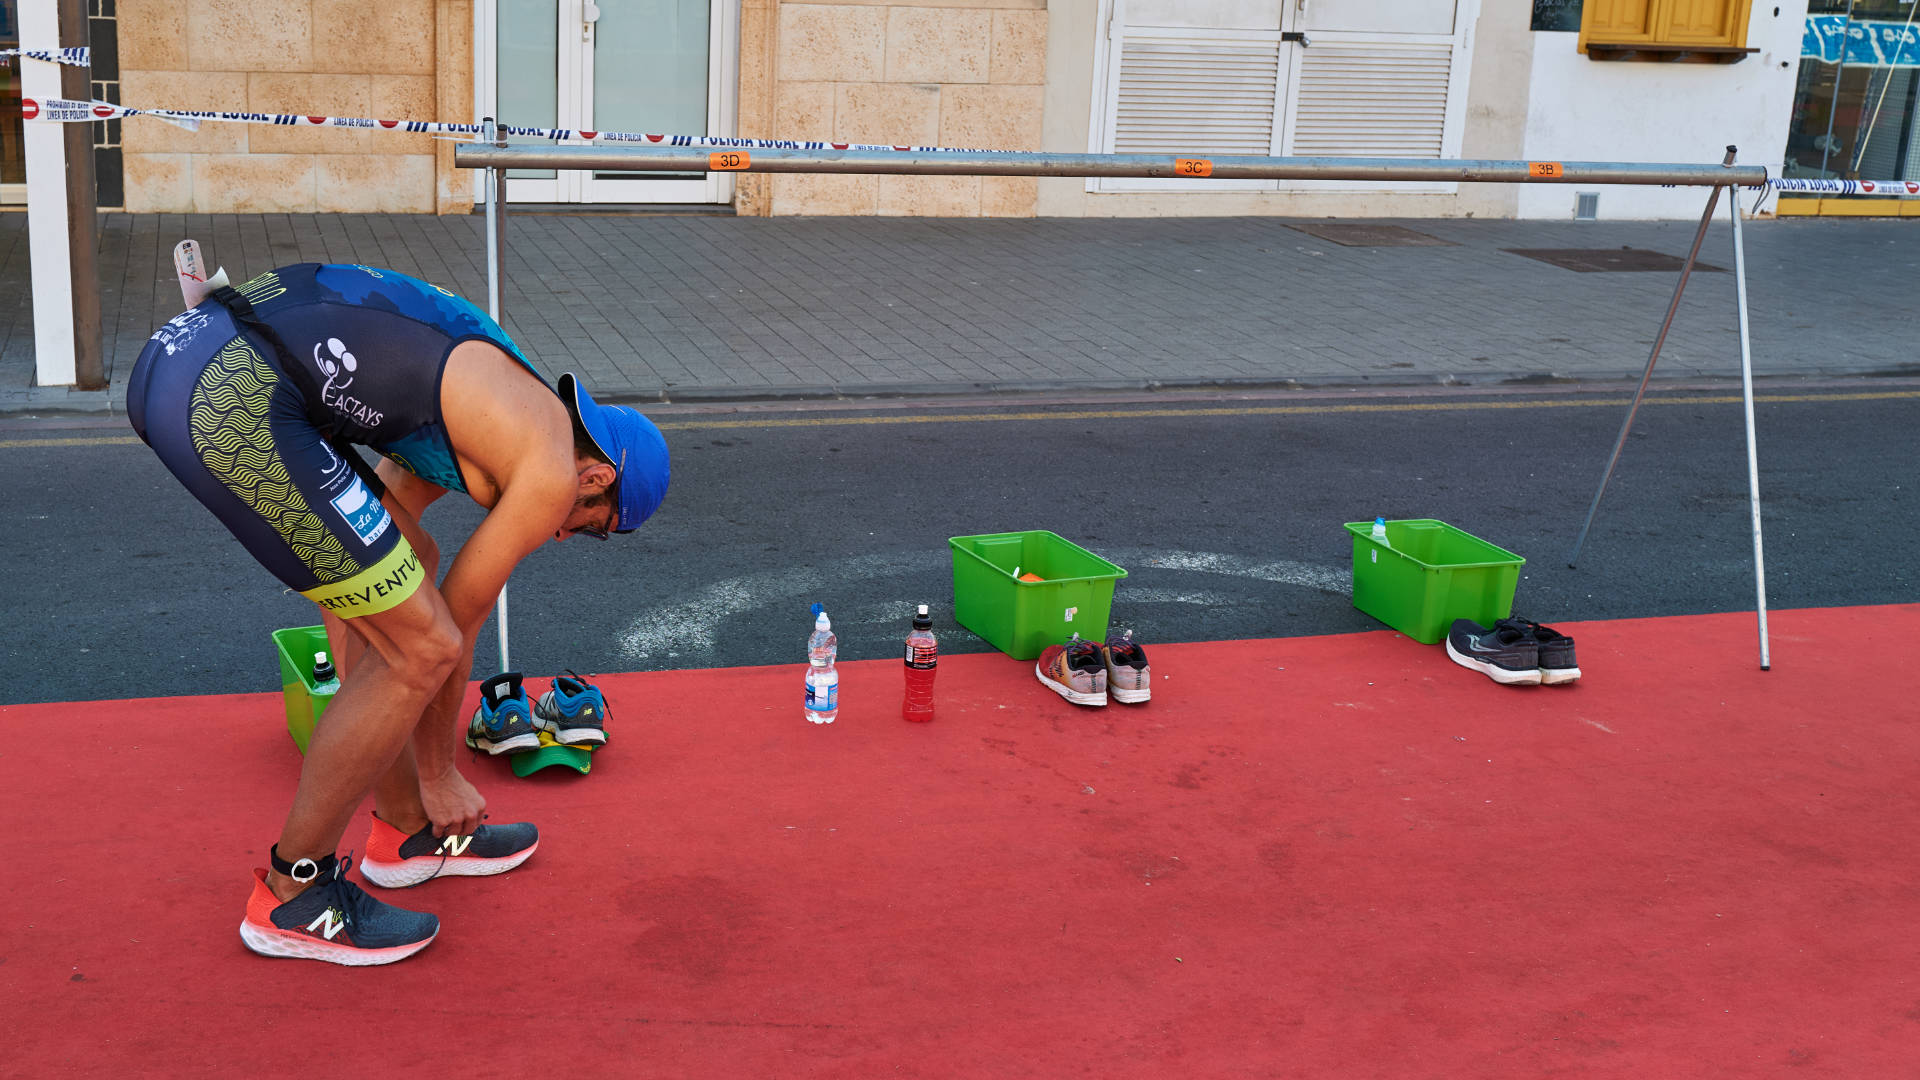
(1712, 31)
(1856, 108)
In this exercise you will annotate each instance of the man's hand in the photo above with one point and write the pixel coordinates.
(454, 806)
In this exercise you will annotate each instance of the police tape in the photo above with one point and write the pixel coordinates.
(1904, 188)
(61, 110)
(81, 57)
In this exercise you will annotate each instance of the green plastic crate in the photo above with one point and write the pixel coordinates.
(1430, 575)
(1021, 618)
(304, 701)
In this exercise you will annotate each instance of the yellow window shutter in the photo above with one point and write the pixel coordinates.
(1618, 20)
(1665, 22)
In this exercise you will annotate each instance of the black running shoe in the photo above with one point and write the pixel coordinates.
(1557, 664)
(1504, 654)
(395, 860)
(334, 920)
(503, 724)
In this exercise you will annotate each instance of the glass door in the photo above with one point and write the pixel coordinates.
(664, 67)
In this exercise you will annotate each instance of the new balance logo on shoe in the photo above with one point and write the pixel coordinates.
(452, 845)
(328, 923)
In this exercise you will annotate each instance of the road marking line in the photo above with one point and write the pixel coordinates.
(1279, 410)
(1150, 412)
(103, 440)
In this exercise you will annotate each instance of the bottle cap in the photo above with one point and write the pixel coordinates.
(922, 620)
(320, 658)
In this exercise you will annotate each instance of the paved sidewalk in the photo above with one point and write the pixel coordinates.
(652, 307)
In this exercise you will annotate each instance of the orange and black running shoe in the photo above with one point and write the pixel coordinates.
(333, 920)
(396, 861)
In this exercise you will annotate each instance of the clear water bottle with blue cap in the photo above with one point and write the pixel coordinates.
(823, 682)
(1380, 537)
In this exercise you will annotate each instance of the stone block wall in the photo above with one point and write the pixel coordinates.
(964, 73)
(396, 60)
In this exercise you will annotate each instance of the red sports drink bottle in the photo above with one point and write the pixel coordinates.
(923, 656)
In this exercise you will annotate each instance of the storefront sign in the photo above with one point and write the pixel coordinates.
(1831, 39)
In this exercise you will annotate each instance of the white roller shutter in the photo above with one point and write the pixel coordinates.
(1372, 101)
(1196, 95)
(1216, 84)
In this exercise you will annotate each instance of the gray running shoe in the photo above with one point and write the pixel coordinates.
(1128, 677)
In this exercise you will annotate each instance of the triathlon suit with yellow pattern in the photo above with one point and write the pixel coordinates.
(252, 411)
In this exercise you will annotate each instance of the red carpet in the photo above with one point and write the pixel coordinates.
(1319, 857)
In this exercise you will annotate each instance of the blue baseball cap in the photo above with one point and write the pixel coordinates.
(632, 443)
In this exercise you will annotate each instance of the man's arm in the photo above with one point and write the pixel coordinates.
(527, 513)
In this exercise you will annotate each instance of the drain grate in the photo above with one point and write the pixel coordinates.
(1372, 236)
(1604, 260)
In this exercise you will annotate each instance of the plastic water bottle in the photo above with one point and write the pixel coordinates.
(923, 658)
(325, 682)
(823, 682)
(1380, 537)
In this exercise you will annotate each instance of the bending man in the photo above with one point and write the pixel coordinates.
(251, 399)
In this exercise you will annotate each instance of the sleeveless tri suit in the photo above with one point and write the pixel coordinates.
(252, 397)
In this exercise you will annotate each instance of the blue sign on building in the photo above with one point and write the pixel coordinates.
(1831, 39)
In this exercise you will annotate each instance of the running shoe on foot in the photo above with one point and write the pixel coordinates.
(1504, 654)
(395, 860)
(502, 724)
(333, 920)
(1557, 664)
(574, 711)
(1074, 671)
(1128, 678)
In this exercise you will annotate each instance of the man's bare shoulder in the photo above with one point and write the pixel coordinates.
(505, 424)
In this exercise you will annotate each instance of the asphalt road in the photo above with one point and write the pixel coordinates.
(1226, 512)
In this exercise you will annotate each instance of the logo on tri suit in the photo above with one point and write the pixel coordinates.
(364, 514)
(338, 365)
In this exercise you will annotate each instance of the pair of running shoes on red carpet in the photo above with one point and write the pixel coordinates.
(1090, 672)
(337, 921)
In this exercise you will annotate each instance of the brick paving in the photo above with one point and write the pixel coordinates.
(653, 306)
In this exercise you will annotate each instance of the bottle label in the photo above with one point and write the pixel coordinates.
(823, 698)
(922, 656)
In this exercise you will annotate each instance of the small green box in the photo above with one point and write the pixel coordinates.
(1021, 618)
(1429, 575)
(305, 701)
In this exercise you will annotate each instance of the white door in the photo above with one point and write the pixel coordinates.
(1293, 78)
(661, 67)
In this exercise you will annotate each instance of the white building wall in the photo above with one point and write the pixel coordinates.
(1588, 110)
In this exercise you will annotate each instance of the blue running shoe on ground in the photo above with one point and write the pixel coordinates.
(574, 711)
(333, 920)
(502, 723)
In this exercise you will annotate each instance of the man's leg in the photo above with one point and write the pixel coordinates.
(412, 648)
(396, 795)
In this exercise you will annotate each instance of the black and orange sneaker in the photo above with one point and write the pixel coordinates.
(395, 860)
(333, 920)
(1074, 671)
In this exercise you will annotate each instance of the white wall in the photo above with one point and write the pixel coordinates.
(1589, 110)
